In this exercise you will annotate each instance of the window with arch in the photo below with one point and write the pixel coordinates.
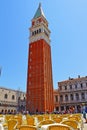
(83, 96)
(65, 87)
(81, 85)
(61, 98)
(66, 97)
(71, 96)
(6, 96)
(70, 86)
(75, 86)
(13, 97)
(77, 96)
(37, 31)
(32, 33)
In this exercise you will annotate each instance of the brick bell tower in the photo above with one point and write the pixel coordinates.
(39, 76)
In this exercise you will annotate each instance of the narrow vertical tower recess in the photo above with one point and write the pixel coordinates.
(39, 77)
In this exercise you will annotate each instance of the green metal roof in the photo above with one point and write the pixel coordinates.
(39, 12)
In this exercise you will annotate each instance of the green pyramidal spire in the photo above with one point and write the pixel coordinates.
(39, 12)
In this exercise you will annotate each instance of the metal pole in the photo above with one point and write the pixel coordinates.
(0, 70)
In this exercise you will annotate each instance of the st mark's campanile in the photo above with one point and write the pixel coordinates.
(39, 76)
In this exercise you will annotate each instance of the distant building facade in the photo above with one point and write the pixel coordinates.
(56, 100)
(72, 93)
(12, 101)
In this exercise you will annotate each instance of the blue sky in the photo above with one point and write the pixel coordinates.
(68, 24)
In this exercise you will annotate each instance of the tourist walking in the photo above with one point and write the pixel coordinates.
(84, 113)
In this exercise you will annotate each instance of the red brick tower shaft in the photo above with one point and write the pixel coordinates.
(39, 77)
